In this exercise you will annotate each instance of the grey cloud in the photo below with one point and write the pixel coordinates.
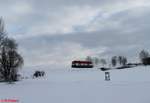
(120, 41)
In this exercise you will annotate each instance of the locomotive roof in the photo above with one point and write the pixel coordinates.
(79, 61)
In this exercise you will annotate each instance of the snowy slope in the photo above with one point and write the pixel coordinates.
(81, 86)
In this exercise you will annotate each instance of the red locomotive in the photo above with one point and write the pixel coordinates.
(82, 64)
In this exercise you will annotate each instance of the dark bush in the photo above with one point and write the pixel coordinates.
(39, 74)
(146, 61)
(104, 69)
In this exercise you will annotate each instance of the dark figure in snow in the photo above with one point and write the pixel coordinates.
(107, 76)
(38, 74)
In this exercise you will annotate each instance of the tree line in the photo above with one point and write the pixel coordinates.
(117, 60)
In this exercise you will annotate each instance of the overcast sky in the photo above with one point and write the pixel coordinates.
(52, 33)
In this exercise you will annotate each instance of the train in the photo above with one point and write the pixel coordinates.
(82, 64)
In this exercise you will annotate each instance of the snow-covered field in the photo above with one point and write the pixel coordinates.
(81, 86)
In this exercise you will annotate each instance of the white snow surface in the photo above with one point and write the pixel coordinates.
(81, 86)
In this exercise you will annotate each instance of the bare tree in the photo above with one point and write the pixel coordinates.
(118, 60)
(10, 59)
(114, 60)
(2, 31)
(103, 62)
(89, 58)
(122, 60)
(143, 54)
(96, 60)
